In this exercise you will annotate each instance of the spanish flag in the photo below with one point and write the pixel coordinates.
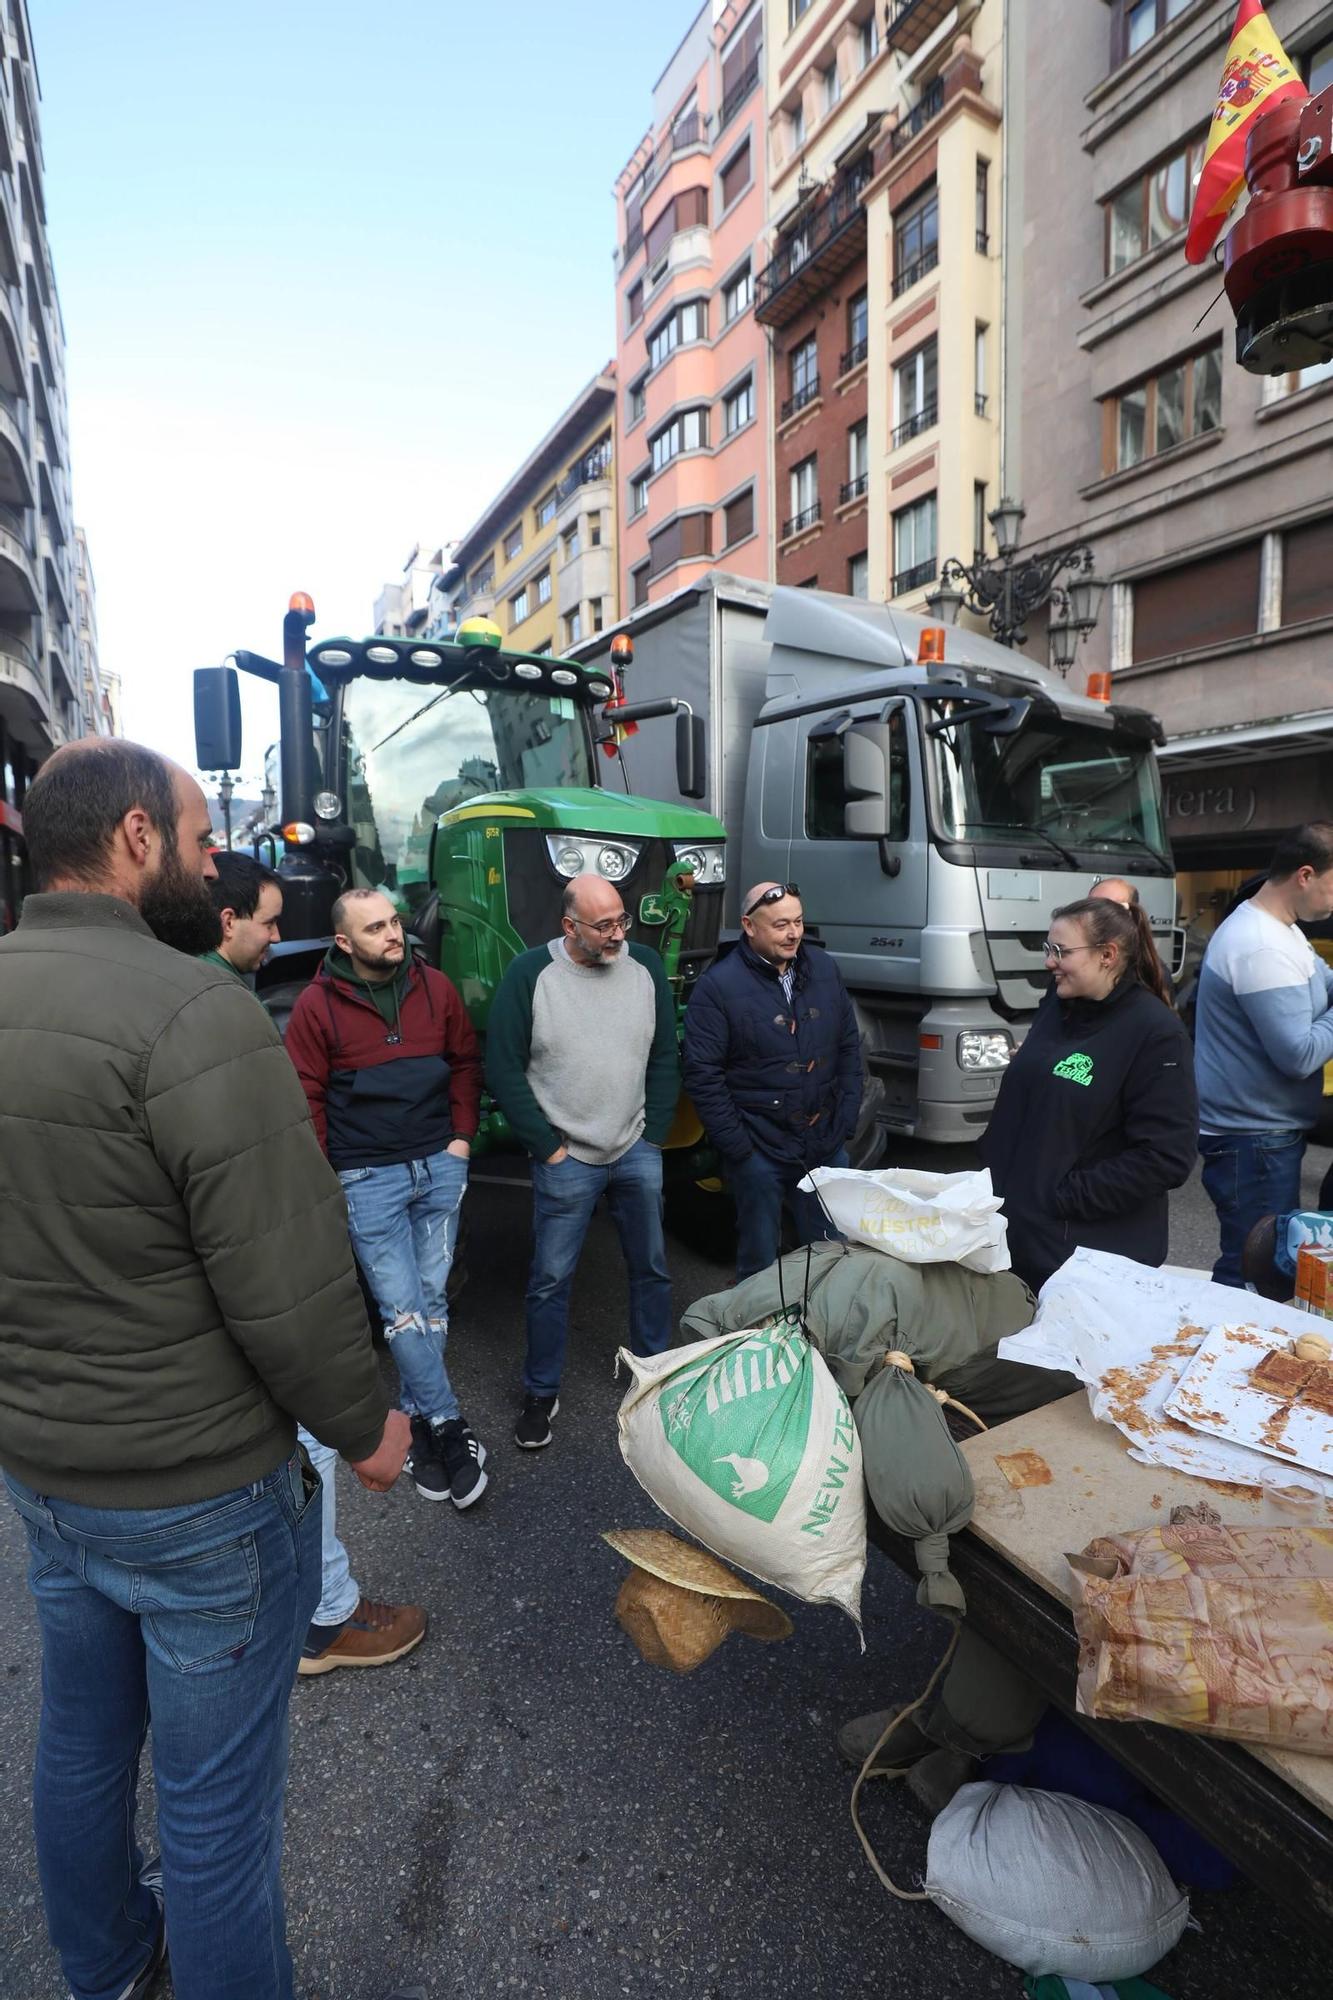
(1257, 74)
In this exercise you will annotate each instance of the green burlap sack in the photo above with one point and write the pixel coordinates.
(918, 1479)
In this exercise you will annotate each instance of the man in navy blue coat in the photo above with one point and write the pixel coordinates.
(773, 1065)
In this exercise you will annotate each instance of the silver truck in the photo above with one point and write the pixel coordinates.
(933, 812)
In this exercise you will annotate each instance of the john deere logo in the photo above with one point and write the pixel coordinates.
(712, 1410)
(1075, 1069)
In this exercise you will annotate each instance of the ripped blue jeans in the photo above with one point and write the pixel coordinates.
(404, 1226)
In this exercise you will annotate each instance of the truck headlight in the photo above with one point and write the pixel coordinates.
(985, 1049)
(708, 858)
(571, 856)
(327, 805)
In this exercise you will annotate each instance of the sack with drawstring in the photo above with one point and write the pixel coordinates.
(920, 1217)
(747, 1443)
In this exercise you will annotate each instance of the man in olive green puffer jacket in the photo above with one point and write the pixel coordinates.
(177, 1291)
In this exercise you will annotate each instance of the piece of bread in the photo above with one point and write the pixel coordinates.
(1317, 1394)
(1281, 1374)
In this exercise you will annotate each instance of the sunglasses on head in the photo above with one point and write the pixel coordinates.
(773, 895)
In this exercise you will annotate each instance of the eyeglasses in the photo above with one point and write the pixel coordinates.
(1059, 951)
(773, 895)
(607, 927)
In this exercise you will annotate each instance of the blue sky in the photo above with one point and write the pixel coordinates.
(328, 269)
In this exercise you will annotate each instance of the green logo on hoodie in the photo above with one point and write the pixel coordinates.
(1074, 1068)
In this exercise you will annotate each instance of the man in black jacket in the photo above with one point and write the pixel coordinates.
(773, 1066)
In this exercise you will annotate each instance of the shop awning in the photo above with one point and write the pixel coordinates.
(1253, 742)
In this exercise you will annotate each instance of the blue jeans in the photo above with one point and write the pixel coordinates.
(563, 1199)
(1247, 1175)
(404, 1224)
(191, 1618)
(339, 1592)
(760, 1187)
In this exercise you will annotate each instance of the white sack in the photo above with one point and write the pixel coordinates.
(748, 1443)
(1053, 1885)
(922, 1218)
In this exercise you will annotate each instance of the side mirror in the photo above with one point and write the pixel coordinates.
(865, 779)
(217, 719)
(691, 755)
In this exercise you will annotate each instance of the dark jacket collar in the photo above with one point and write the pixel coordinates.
(79, 909)
(765, 967)
(1083, 1010)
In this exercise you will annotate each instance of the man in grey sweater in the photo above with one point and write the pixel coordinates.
(581, 1056)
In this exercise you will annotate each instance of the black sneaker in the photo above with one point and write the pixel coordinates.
(425, 1464)
(533, 1430)
(460, 1458)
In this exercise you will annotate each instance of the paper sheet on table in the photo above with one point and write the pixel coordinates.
(1127, 1331)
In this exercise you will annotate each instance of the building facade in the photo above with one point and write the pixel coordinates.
(882, 294)
(41, 685)
(541, 559)
(691, 360)
(1204, 490)
(409, 606)
(100, 715)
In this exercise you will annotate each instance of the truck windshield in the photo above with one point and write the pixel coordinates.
(1086, 789)
(414, 752)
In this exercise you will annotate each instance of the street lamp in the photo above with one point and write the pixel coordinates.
(1006, 591)
(225, 790)
(268, 798)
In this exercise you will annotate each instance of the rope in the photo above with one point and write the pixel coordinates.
(899, 1771)
(895, 1358)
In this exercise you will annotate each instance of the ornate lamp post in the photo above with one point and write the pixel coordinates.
(1006, 591)
(225, 790)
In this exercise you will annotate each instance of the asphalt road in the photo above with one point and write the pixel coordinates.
(524, 1807)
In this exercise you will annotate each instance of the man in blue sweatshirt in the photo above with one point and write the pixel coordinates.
(1263, 1032)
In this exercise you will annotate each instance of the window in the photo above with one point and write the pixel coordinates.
(738, 407)
(803, 365)
(594, 531)
(1278, 386)
(737, 293)
(738, 518)
(514, 541)
(688, 210)
(570, 545)
(913, 545)
(634, 403)
(687, 431)
(546, 509)
(543, 587)
(916, 240)
(826, 797)
(916, 392)
(682, 324)
(598, 614)
(1135, 22)
(979, 367)
(858, 330)
(518, 608)
(542, 652)
(740, 63)
(1307, 571)
(638, 494)
(796, 126)
(638, 586)
(795, 9)
(1151, 208)
(978, 518)
(858, 575)
(481, 579)
(573, 623)
(983, 206)
(804, 496)
(867, 42)
(1202, 603)
(1182, 401)
(634, 303)
(688, 536)
(858, 462)
(735, 177)
(832, 83)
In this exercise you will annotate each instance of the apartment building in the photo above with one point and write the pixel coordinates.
(1204, 490)
(416, 604)
(691, 360)
(41, 691)
(881, 293)
(541, 559)
(99, 718)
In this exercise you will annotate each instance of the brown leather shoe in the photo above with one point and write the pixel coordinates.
(374, 1636)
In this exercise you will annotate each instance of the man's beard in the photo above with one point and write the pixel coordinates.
(178, 909)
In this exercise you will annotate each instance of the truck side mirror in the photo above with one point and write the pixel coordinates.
(217, 719)
(691, 755)
(865, 780)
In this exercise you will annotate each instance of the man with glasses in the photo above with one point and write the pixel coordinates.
(773, 1066)
(581, 1057)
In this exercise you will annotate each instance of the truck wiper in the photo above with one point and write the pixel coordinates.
(1042, 834)
(1127, 840)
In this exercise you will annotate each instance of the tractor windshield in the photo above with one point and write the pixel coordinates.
(414, 751)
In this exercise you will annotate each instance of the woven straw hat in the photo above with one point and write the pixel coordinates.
(678, 1602)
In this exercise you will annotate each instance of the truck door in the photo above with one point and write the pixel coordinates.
(859, 848)
(769, 812)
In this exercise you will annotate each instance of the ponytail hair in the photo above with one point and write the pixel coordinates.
(1104, 922)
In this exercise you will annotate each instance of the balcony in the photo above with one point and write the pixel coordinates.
(20, 671)
(912, 273)
(15, 471)
(853, 356)
(594, 465)
(908, 24)
(799, 399)
(854, 489)
(18, 576)
(920, 420)
(916, 121)
(809, 517)
(739, 92)
(827, 240)
(912, 579)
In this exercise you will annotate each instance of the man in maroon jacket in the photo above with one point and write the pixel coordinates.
(392, 1074)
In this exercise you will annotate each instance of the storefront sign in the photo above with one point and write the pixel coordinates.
(1192, 806)
(1251, 798)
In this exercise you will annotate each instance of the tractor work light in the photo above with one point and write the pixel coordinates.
(382, 656)
(564, 677)
(601, 689)
(571, 856)
(527, 670)
(327, 805)
(426, 656)
(332, 656)
(707, 858)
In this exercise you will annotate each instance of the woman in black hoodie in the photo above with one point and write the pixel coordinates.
(1096, 1119)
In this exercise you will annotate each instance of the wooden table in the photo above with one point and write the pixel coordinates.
(1271, 1812)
